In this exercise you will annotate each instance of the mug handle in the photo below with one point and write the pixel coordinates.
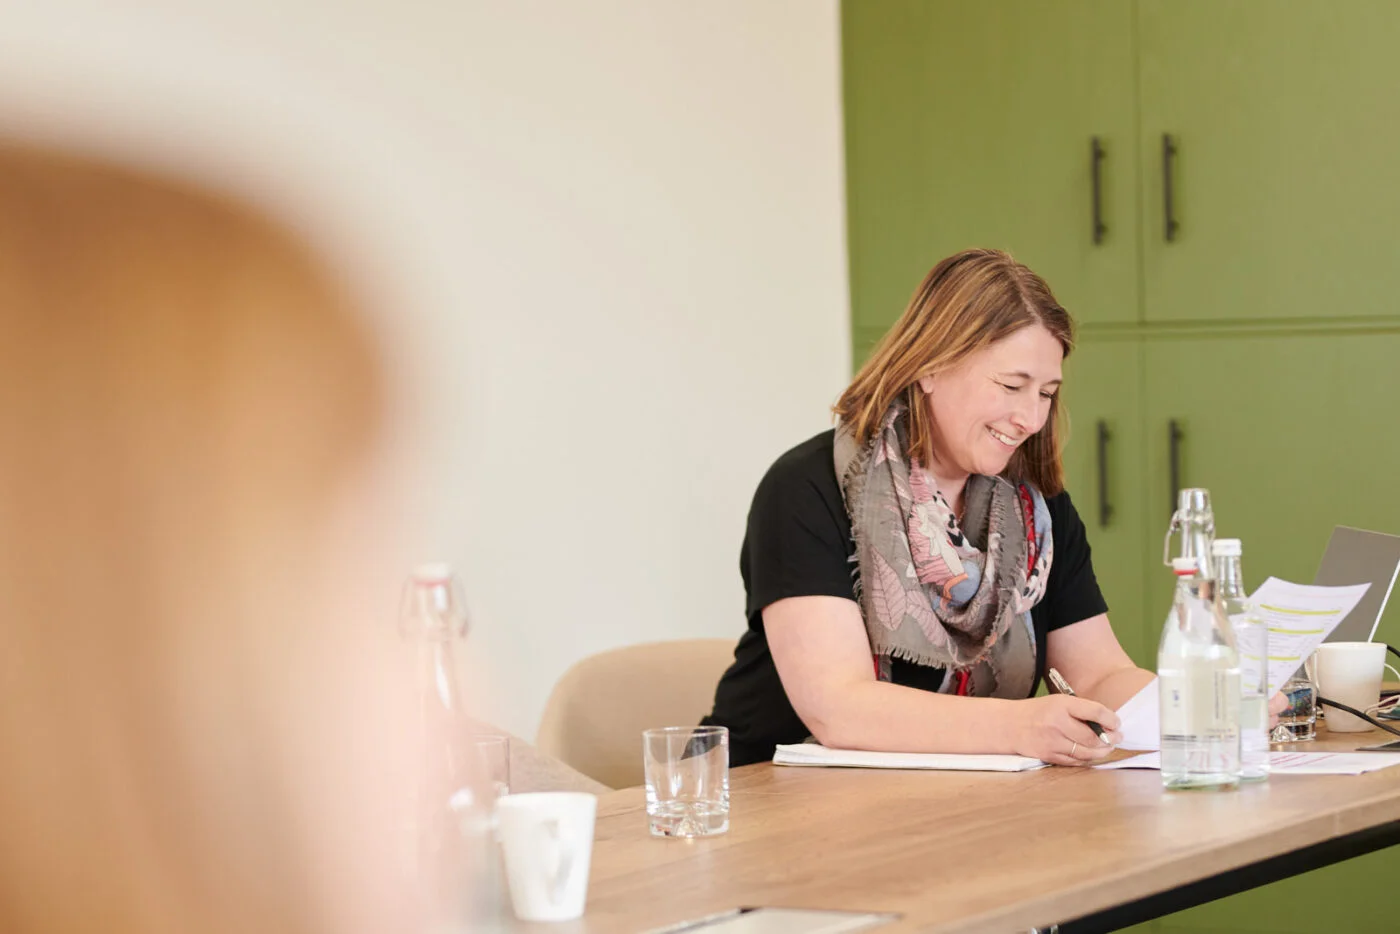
(1392, 670)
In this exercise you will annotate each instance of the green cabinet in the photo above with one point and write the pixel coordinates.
(971, 124)
(1290, 434)
(1272, 424)
(1104, 462)
(1351, 897)
(950, 144)
(1284, 115)
(883, 60)
(1255, 350)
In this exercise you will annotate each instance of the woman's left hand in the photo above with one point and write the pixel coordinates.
(1277, 705)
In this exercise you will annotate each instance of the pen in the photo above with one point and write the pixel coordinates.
(1062, 686)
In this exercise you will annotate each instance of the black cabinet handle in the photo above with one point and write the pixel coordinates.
(1096, 156)
(1174, 438)
(1168, 162)
(1105, 507)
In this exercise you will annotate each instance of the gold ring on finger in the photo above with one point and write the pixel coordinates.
(1072, 750)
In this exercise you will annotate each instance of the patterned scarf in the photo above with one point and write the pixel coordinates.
(931, 592)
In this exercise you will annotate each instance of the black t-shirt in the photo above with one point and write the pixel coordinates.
(798, 544)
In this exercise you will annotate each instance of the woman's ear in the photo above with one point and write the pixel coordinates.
(926, 384)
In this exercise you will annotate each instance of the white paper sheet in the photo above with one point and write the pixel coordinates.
(1330, 763)
(1299, 617)
(1138, 720)
(1289, 763)
(816, 754)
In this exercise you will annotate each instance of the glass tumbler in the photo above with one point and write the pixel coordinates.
(1298, 722)
(492, 764)
(687, 778)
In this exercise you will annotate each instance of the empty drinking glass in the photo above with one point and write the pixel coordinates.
(687, 775)
(492, 765)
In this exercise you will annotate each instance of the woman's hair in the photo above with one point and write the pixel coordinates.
(188, 412)
(967, 302)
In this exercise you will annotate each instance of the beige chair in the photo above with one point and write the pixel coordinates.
(595, 715)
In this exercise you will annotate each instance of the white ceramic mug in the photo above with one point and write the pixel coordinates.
(548, 842)
(1349, 673)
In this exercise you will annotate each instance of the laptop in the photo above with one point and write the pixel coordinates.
(1356, 556)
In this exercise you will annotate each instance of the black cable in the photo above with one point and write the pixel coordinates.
(1356, 713)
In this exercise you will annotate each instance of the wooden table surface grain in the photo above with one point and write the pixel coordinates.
(962, 851)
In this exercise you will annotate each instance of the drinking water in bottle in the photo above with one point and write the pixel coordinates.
(1198, 676)
(1198, 668)
(1252, 641)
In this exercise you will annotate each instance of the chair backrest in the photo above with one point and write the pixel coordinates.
(595, 715)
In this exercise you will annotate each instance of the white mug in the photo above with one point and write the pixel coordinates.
(548, 842)
(1349, 673)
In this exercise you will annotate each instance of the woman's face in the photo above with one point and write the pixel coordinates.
(990, 404)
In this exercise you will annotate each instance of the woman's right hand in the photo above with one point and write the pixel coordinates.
(1053, 728)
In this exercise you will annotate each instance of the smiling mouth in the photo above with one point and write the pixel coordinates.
(1004, 439)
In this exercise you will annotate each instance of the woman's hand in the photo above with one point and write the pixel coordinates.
(1277, 705)
(1052, 728)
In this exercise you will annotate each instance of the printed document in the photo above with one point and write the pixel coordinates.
(1299, 617)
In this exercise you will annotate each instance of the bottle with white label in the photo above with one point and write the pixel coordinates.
(1252, 640)
(1198, 676)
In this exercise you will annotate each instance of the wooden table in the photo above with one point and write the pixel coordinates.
(981, 851)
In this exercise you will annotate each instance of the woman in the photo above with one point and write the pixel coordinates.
(911, 574)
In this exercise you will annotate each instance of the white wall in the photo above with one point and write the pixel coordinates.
(603, 242)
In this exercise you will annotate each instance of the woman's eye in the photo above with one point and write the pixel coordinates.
(1048, 395)
(1010, 388)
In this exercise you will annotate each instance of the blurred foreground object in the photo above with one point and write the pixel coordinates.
(196, 729)
(447, 826)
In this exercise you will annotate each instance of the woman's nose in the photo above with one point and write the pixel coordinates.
(1029, 417)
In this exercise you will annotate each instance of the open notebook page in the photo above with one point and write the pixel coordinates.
(818, 755)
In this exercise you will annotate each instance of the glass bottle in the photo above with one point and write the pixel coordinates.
(448, 824)
(1252, 641)
(1194, 523)
(1198, 677)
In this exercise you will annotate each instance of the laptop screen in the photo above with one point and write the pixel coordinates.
(1355, 556)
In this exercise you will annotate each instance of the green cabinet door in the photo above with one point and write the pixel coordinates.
(1103, 460)
(1291, 434)
(970, 124)
(883, 53)
(1350, 897)
(1286, 120)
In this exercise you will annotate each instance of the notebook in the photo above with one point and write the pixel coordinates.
(818, 755)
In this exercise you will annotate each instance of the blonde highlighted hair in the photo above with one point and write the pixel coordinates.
(967, 302)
